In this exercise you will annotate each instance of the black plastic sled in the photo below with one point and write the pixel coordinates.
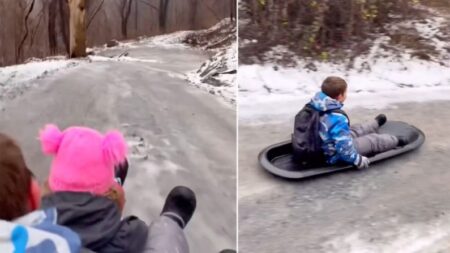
(278, 159)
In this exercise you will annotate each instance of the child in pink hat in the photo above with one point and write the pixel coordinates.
(88, 200)
(84, 159)
(83, 189)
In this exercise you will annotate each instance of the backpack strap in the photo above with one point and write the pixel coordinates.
(309, 106)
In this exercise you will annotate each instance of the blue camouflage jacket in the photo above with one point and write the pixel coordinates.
(38, 232)
(334, 131)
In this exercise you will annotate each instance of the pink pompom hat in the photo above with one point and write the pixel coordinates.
(84, 159)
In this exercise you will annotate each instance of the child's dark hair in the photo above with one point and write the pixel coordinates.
(15, 180)
(334, 86)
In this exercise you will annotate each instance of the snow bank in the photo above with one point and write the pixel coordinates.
(380, 78)
(99, 58)
(265, 92)
(218, 74)
(171, 40)
(32, 70)
(14, 79)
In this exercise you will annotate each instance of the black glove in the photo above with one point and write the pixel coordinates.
(121, 171)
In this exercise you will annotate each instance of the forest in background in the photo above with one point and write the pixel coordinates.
(40, 28)
(325, 29)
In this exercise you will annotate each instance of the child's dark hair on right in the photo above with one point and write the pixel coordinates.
(15, 180)
(334, 86)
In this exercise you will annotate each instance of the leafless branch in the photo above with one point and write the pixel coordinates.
(33, 35)
(149, 4)
(212, 11)
(26, 28)
(99, 6)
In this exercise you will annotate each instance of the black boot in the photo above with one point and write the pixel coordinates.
(381, 119)
(228, 251)
(180, 205)
(402, 140)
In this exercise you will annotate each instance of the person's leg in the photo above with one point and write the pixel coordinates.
(374, 143)
(358, 130)
(166, 233)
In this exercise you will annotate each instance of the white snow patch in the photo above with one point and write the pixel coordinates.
(17, 78)
(168, 40)
(121, 58)
(265, 93)
(29, 71)
(430, 30)
(176, 38)
(214, 75)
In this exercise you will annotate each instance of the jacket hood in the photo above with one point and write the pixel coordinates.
(38, 232)
(322, 102)
(97, 220)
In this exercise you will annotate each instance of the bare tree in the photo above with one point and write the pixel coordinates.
(36, 27)
(77, 28)
(64, 14)
(163, 8)
(25, 36)
(52, 10)
(194, 6)
(316, 27)
(125, 12)
(232, 9)
(150, 5)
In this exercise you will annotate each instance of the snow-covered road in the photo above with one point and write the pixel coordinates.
(400, 205)
(178, 134)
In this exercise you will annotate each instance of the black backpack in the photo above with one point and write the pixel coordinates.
(306, 142)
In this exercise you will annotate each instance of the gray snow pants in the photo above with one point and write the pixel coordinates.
(166, 236)
(367, 141)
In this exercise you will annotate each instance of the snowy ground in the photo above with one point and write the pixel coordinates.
(400, 205)
(217, 75)
(376, 80)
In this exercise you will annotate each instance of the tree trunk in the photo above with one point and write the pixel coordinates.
(52, 26)
(194, 4)
(126, 10)
(163, 8)
(232, 9)
(65, 26)
(77, 28)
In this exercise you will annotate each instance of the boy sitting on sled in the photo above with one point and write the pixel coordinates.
(322, 130)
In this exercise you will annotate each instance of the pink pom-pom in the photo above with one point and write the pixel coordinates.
(50, 138)
(114, 148)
